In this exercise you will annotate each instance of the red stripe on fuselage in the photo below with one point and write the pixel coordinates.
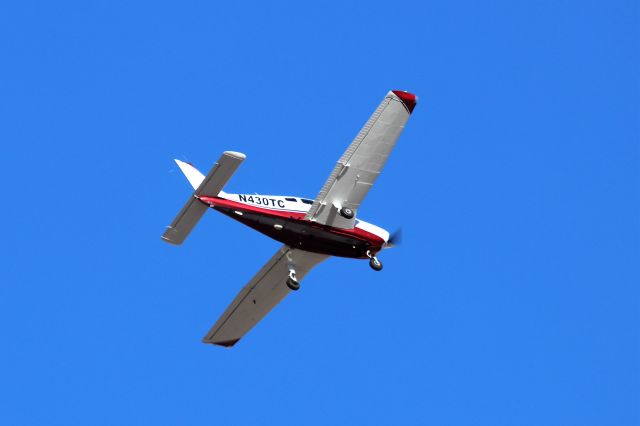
(359, 233)
(223, 202)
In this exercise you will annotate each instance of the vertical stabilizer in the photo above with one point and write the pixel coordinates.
(193, 175)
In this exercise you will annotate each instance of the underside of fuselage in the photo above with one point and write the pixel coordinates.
(292, 230)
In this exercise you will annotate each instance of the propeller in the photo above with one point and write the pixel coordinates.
(395, 239)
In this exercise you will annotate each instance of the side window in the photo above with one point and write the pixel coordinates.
(291, 199)
(306, 200)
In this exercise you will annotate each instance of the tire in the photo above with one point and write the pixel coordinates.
(293, 284)
(347, 213)
(375, 264)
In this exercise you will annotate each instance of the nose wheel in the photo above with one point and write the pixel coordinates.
(375, 264)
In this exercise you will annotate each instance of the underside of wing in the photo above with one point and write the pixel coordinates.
(360, 165)
(265, 290)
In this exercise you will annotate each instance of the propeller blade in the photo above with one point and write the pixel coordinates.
(395, 239)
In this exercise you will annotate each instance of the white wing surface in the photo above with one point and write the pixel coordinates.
(362, 162)
(265, 290)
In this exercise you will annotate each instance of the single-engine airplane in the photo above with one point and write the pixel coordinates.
(311, 230)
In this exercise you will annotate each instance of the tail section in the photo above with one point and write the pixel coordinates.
(210, 185)
(193, 175)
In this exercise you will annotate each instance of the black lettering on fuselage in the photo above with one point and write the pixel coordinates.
(261, 201)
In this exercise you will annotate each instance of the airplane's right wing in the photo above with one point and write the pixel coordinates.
(265, 290)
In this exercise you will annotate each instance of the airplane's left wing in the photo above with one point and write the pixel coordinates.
(265, 290)
(358, 168)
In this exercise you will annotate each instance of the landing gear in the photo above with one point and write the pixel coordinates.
(347, 213)
(292, 282)
(375, 264)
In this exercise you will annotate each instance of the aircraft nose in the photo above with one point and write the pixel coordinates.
(395, 239)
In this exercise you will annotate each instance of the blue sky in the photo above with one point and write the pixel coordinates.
(514, 299)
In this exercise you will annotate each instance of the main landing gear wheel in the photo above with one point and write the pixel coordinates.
(375, 264)
(292, 282)
(347, 213)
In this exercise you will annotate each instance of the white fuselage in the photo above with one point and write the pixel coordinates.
(280, 203)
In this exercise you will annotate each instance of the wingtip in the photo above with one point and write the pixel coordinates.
(225, 343)
(408, 99)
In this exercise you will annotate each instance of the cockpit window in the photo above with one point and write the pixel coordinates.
(306, 200)
(291, 199)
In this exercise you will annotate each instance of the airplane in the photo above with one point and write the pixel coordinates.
(311, 230)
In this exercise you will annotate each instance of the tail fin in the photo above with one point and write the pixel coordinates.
(212, 184)
(193, 175)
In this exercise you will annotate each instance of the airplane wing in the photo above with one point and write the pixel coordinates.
(265, 290)
(362, 162)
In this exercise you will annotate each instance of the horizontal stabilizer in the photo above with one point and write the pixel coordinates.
(194, 209)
